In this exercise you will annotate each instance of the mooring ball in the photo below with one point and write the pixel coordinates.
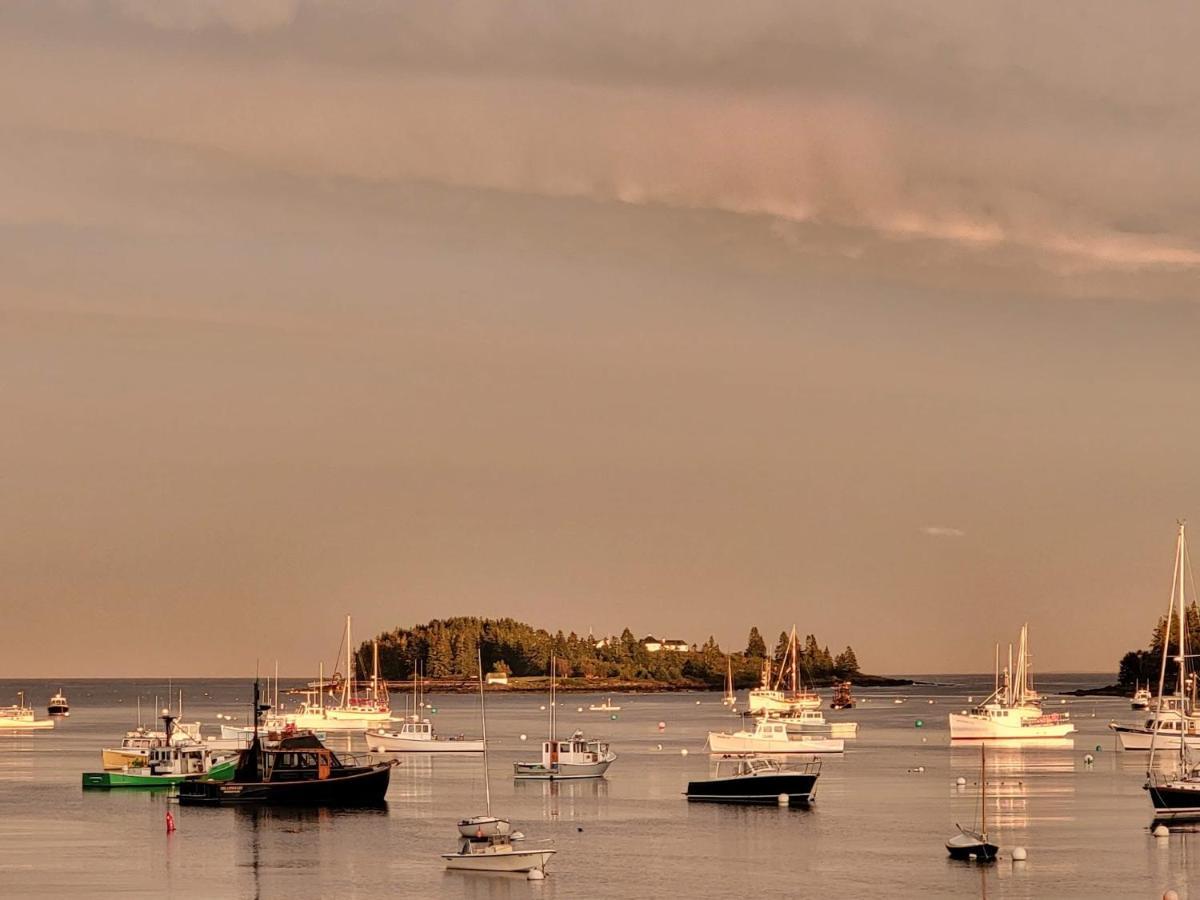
(1018, 854)
(960, 781)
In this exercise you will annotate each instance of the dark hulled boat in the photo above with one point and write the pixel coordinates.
(757, 780)
(297, 771)
(1175, 799)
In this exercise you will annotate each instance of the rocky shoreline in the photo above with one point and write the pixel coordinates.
(541, 684)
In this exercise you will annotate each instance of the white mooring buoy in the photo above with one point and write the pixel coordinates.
(784, 799)
(1161, 831)
(683, 752)
(1018, 854)
(960, 781)
(1170, 895)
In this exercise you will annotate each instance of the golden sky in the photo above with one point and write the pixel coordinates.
(880, 319)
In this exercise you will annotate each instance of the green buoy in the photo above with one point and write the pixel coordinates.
(920, 723)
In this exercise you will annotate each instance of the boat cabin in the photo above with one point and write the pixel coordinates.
(576, 751)
(178, 760)
(299, 758)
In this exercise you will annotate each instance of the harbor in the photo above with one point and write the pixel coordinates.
(1084, 825)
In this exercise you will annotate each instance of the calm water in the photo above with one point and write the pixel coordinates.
(876, 830)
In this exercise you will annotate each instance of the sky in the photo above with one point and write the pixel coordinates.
(880, 319)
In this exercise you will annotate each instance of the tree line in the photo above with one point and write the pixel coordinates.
(446, 648)
(1144, 666)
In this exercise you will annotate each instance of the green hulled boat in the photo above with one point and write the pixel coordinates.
(167, 765)
(143, 777)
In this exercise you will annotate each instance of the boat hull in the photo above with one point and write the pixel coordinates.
(980, 850)
(732, 743)
(381, 742)
(511, 861)
(25, 724)
(845, 730)
(1176, 801)
(561, 771)
(1140, 738)
(361, 788)
(131, 778)
(800, 788)
(968, 727)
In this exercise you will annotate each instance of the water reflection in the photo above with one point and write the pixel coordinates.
(498, 885)
(565, 799)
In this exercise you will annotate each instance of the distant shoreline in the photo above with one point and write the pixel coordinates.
(540, 684)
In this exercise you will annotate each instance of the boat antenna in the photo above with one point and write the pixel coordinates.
(487, 786)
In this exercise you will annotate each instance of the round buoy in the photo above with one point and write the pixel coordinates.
(960, 781)
(536, 875)
(662, 726)
(920, 768)
(1097, 748)
(1161, 831)
(1062, 702)
(166, 712)
(931, 703)
(683, 752)
(542, 708)
(658, 747)
(1018, 854)
(920, 723)
(579, 709)
(1089, 759)
(924, 740)
(613, 717)
(579, 829)
(523, 737)
(433, 709)
(970, 699)
(784, 799)
(1170, 895)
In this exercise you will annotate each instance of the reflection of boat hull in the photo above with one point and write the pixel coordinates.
(983, 728)
(560, 771)
(1176, 801)
(1139, 738)
(799, 787)
(361, 788)
(23, 724)
(132, 778)
(1018, 744)
(495, 859)
(386, 742)
(747, 743)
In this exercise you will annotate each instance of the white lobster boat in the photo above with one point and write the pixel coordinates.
(22, 716)
(419, 737)
(1165, 729)
(1013, 711)
(578, 757)
(771, 736)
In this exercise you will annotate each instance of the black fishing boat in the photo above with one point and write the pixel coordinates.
(297, 771)
(757, 780)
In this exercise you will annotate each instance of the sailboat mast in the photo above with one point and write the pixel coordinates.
(1181, 660)
(983, 783)
(375, 670)
(996, 687)
(553, 678)
(487, 785)
(795, 663)
(349, 687)
(321, 687)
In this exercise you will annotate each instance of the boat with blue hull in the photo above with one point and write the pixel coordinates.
(757, 780)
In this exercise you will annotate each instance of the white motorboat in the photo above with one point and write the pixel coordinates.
(58, 705)
(1013, 710)
(22, 716)
(770, 698)
(578, 757)
(1141, 698)
(486, 843)
(812, 722)
(606, 706)
(771, 736)
(1164, 730)
(419, 737)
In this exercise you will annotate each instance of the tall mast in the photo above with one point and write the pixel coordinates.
(275, 699)
(1181, 659)
(349, 687)
(1008, 680)
(375, 670)
(487, 785)
(996, 687)
(553, 676)
(795, 663)
(321, 687)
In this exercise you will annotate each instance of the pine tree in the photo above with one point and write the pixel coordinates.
(846, 663)
(756, 647)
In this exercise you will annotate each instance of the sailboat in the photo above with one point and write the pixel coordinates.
(579, 757)
(769, 698)
(1176, 796)
(1014, 708)
(486, 842)
(353, 712)
(730, 698)
(968, 842)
